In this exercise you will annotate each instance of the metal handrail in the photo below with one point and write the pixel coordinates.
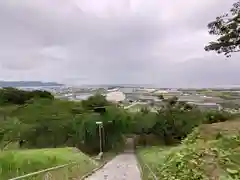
(150, 170)
(42, 171)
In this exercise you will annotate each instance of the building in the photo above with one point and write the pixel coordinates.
(116, 96)
(206, 106)
(191, 98)
(113, 90)
(169, 93)
(148, 98)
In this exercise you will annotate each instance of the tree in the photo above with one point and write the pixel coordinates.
(145, 110)
(184, 105)
(95, 102)
(173, 124)
(227, 27)
(11, 95)
(41, 94)
(160, 96)
(172, 101)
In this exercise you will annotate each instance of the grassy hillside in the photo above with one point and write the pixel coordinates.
(20, 162)
(154, 158)
(210, 152)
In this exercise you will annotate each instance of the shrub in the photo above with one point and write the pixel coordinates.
(217, 116)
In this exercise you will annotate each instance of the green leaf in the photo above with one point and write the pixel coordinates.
(232, 171)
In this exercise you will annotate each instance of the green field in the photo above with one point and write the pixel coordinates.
(20, 162)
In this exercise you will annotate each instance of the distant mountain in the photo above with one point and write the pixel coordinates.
(27, 84)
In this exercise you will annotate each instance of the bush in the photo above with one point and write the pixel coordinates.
(195, 159)
(175, 124)
(217, 116)
(219, 159)
(15, 96)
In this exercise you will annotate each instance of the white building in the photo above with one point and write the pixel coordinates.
(116, 96)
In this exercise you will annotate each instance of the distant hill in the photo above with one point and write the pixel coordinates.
(27, 84)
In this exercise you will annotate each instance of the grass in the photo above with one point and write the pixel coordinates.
(210, 152)
(153, 157)
(211, 131)
(15, 163)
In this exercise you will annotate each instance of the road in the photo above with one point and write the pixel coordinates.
(135, 103)
(122, 167)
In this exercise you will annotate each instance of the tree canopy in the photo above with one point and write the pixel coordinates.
(227, 28)
(11, 95)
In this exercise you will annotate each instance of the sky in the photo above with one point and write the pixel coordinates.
(157, 42)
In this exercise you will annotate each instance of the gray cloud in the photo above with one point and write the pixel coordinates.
(132, 41)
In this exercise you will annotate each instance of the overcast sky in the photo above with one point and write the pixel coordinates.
(158, 42)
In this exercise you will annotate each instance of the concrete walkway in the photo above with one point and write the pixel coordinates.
(122, 167)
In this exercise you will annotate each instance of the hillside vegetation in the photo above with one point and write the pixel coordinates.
(21, 162)
(37, 120)
(210, 152)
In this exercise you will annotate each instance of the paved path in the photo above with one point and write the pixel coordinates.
(122, 167)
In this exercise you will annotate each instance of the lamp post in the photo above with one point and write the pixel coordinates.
(101, 133)
(100, 126)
